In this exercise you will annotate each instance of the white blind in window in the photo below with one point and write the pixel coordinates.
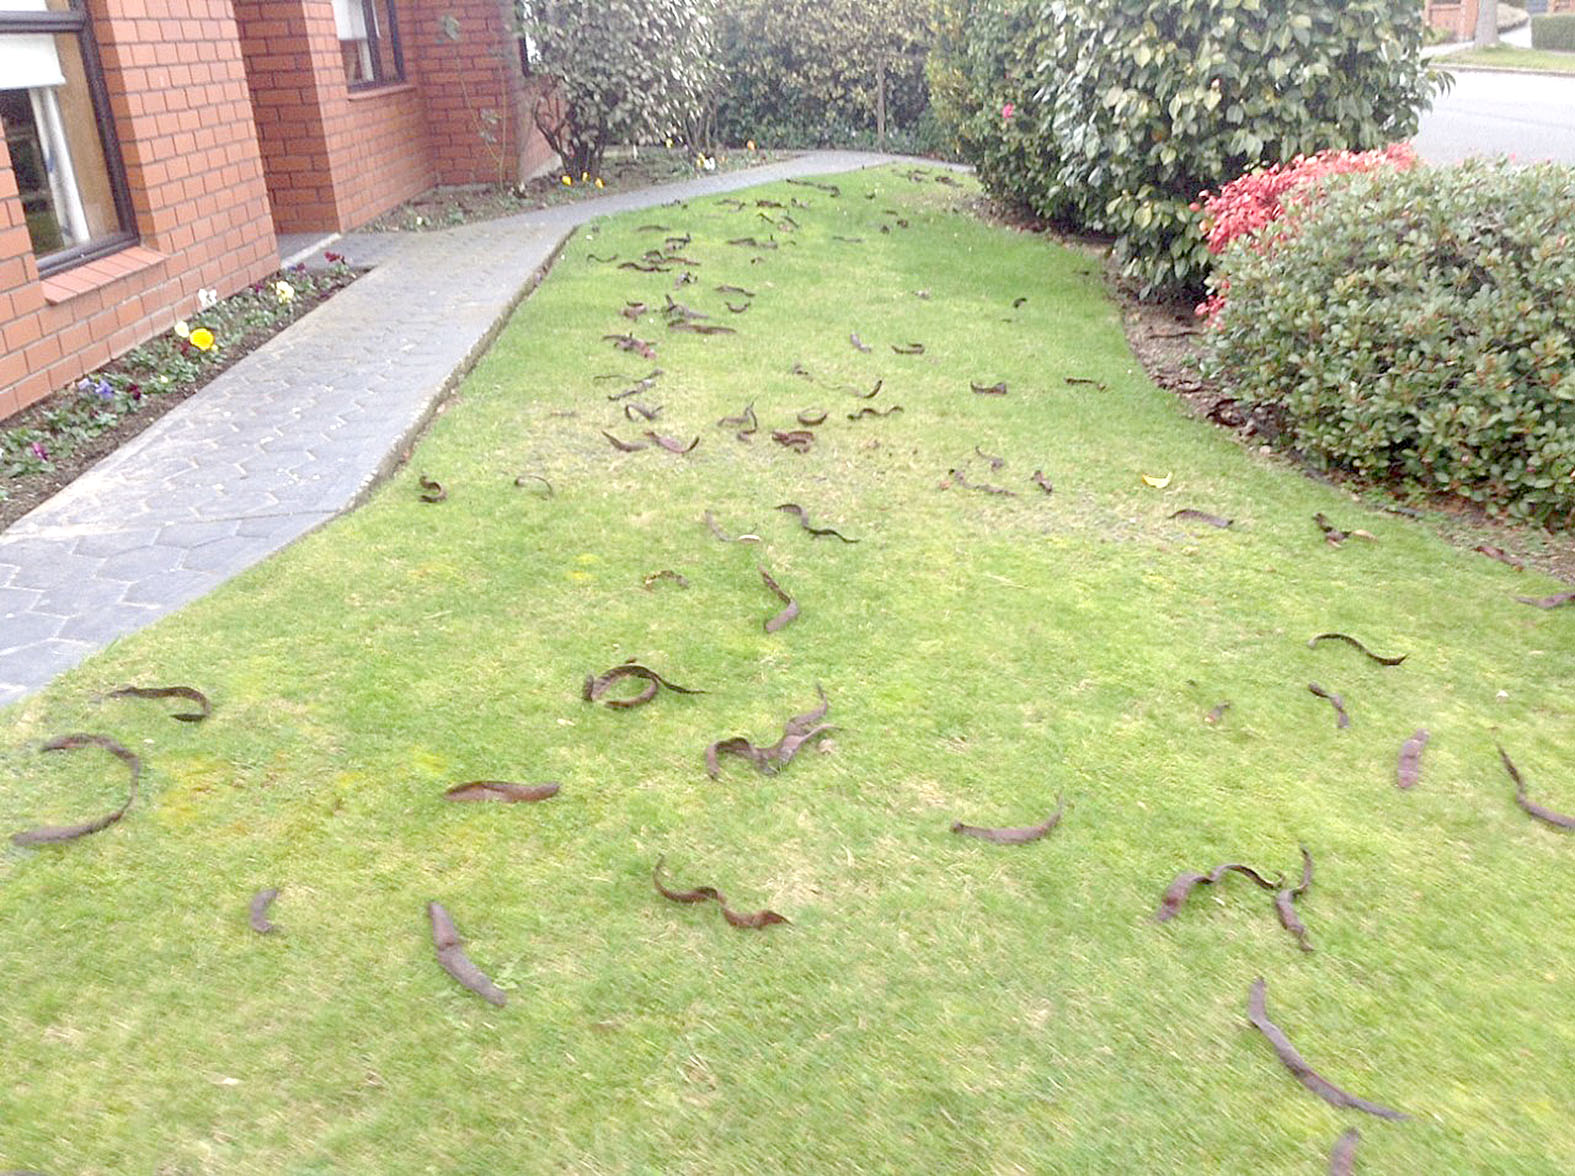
(29, 59)
(350, 18)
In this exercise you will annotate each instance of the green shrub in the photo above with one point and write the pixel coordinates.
(804, 73)
(626, 70)
(983, 74)
(1144, 103)
(1555, 31)
(1417, 327)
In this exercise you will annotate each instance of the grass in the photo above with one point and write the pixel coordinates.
(1511, 57)
(937, 1004)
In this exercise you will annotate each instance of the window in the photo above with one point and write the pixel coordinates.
(368, 42)
(524, 14)
(62, 145)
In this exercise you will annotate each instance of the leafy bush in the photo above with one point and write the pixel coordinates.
(1416, 327)
(1143, 103)
(983, 75)
(1250, 203)
(625, 70)
(1553, 31)
(804, 73)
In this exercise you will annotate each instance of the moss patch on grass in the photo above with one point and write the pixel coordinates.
(937, 1004)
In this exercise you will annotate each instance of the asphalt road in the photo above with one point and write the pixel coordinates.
(1527, 116)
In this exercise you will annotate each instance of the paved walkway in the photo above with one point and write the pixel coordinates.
(291, 436)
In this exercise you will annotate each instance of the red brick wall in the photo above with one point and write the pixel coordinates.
(1456, 17)
(285, 101)
(337, 157)
(180, 107)
(462, 55)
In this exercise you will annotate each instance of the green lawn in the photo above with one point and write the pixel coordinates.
(1511, 57)
(938, 1004)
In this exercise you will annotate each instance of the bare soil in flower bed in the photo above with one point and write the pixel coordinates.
(23, 493)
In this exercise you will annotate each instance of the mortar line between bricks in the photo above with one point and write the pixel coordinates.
(203, 446)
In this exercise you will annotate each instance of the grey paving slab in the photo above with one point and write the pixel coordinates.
(291, 436)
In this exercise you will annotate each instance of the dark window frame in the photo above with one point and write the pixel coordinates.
(377, 80)
(75, 22)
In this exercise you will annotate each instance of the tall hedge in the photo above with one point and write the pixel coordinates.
(1135, 106)
(804, 72)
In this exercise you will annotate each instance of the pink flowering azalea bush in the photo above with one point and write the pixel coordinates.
(1247, 205)
(1413, 326)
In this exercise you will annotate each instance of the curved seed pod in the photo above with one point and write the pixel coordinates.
(1258, 1015)
(53, 833)
(1245, 872)
(716, 529)
(1176, 894)
(502, 791)
(698, 894)
(874, 412)
(755, 919)
(1353, 642)
(1285, 907)
(701, 328)
(737, 745)
(1307, 873)
(1199, 516)
(624, 446)
(190, 693)
(787, 615)
(908, 348)
(1548, 601)
(830, 188)
(795, 439)
(431, 490)
(451, 955)
(997, 389)
(1014, 836)
(859, 343)
(1501, 555)
(1409, 769)
(960, 479)
(672, 444)
(736, 308)
(597, 686)
(871, 394)
(735, 290)
(1042, 482)
(258, 916)
(650, 581)
(1546, 815)
(796, 732)
(1074, 381)
(521, 480)
(631, 410)
(812, 417)
(802, 515)
(1341, 718)
(1342, 1160)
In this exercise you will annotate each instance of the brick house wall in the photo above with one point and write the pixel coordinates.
(235, 122)
(336, 157)
(178, 94)
(1456, 17)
